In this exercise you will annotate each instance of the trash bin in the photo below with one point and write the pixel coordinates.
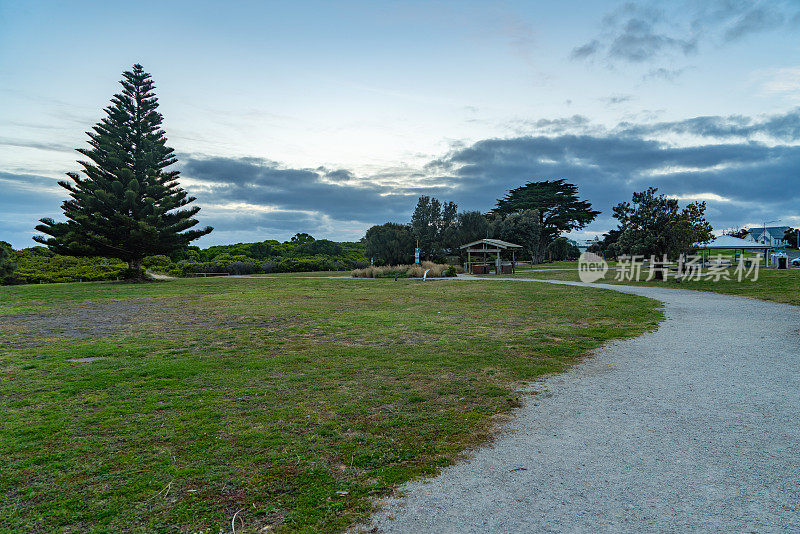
(783, 262)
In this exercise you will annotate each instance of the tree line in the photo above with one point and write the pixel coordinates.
(533, 216)
(128, 206)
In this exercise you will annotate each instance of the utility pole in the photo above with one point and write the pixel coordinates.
(764, 236)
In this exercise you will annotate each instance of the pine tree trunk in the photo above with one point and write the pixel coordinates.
(135, 271)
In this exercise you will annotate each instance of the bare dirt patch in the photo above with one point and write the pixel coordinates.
(125, 317)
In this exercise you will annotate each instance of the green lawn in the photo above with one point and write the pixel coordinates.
(567, 264)
(772, 284)
(314, 274)
(292, 403)
(551, 265)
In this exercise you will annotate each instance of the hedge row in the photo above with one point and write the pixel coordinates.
(42, 266)
(244, 265)
(39, 265)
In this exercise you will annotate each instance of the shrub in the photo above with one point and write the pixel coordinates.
(312, 263)
(132, 274)
(407, 271)
(6, 264)
(38, 265)
(159, 263)
(320, 247)
(242, 267)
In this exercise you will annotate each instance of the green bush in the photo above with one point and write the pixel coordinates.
(309, 263)
(39, 265)
(158, 263)
(7, 265)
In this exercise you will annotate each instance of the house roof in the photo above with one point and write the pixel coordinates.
(727, 241)
(493, 242)
(777, 232)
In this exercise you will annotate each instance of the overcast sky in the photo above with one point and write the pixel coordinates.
(329, 117)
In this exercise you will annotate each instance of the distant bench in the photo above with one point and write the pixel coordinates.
(209, 274)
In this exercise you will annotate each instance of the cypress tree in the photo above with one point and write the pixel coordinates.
(128, 205)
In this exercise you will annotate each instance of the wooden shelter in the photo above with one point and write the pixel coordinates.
(486, 247)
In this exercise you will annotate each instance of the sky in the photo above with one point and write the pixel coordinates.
(330, 117)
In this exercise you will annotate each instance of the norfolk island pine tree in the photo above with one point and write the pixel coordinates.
(128, 205)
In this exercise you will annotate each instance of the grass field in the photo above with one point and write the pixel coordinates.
(772, 284)
(314, 274)
(291, 403)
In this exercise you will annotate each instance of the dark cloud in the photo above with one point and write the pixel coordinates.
(617, 99)
(248, 198)
(661, 73)
(552, 126)
(585, 51)
(336, 194)
(635, 33)
(754, 21)
(756, 179)
(338, 175)
(11, 183)
(638, 41)
(783, 127)
(641, 32)
(25, 143)
(24, 199)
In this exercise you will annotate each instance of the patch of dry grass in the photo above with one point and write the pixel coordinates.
(436, 270)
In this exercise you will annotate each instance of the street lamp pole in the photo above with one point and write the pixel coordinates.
(764, 235)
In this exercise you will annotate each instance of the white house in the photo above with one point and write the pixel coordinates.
(771, 235)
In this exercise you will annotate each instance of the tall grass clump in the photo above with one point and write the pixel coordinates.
(407, 271)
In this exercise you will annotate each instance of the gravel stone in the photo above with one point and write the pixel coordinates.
(693, 427)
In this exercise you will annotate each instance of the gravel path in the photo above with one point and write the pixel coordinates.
(694, 427)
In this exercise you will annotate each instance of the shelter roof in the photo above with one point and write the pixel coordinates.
(492, 242)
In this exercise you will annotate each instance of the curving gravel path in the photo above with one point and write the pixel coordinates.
(694, 427)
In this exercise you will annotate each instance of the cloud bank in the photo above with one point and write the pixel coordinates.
(747, 168)
(646, 31)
